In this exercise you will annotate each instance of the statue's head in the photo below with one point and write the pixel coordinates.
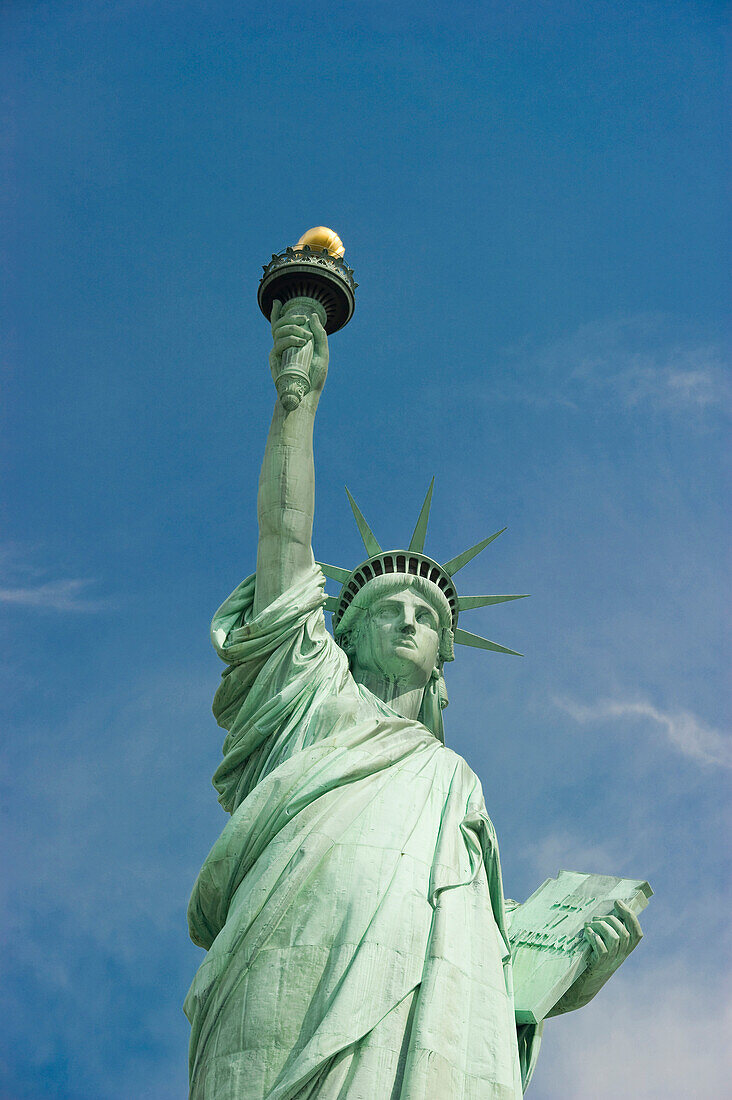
(399, 627)
(397, 595)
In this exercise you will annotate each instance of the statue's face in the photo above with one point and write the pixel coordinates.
(400, 638)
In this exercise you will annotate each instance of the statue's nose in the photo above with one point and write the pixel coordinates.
(408, 624)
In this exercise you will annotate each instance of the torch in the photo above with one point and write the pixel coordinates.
(309, 278)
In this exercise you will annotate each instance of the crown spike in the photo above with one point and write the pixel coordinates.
(369, 539)
(331, 603)
(464, 637)
(466, 602)
(454, 564)
(420, 531)
(335, 572)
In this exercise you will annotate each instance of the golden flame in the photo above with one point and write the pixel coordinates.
(321, 237)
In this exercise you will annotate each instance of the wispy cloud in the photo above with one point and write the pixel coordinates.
(646, 1035)
(66, 595)
(109, 816)
(640, 360)
(561, 848)
(683, 730)
(25, 583)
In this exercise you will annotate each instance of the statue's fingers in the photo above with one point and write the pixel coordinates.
(294, 340)
(287, 329)
(288, 342)
(607, 934)
(599, 950)
(622, 931)
(319, 335)
(276, 310)
(589, 937)
(617, 924)
(287, 322)
(631, 922)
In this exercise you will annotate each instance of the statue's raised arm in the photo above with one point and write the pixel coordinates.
(286, 498)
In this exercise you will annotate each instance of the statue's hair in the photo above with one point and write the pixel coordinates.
(354, 616)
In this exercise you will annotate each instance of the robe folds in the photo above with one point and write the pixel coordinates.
(352, 909)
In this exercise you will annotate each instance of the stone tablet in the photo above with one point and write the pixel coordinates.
(548, 946)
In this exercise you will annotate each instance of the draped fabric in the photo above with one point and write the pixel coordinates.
(352, 909)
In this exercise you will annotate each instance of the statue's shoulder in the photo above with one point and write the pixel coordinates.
(459, 762)
(465, 780)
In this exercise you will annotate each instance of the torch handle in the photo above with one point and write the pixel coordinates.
(293, 380)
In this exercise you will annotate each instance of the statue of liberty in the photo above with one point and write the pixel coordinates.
(352, 909)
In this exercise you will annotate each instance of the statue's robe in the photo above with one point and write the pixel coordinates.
(352, 908)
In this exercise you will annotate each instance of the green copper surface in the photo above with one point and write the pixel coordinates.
(412, 562)
(352, 913)
(420, 531)
(465, 603)
(464, 637)
(369, 539)
(454, 564)
(335, 572)
(552, 937)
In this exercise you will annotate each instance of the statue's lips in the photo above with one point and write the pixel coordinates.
(409, 643)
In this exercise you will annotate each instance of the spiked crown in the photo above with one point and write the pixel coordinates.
(413, 561)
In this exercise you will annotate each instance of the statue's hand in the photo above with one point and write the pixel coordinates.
(612, 939)
(295, 330)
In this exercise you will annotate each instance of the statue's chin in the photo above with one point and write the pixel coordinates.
(398, 675)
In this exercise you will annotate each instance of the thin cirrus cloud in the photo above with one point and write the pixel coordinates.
(683, 730)
(661, 1019)
(562, 848)
(66, 595)
(640, 361)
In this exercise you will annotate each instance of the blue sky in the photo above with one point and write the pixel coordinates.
(531, 197)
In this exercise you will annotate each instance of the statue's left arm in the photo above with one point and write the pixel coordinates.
(612, 939)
